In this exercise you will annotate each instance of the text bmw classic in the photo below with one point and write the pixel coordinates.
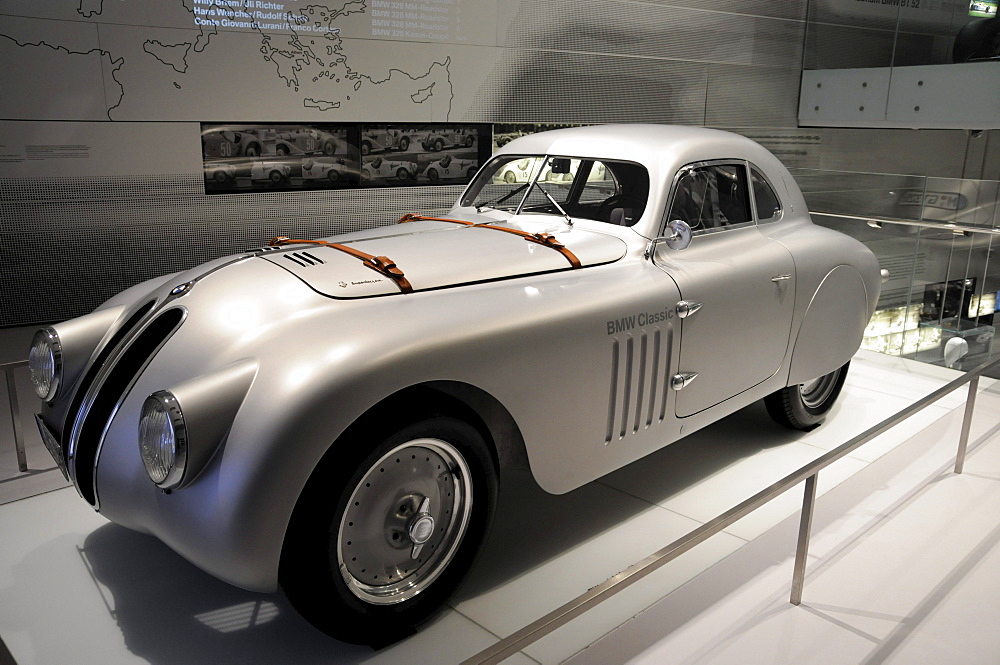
(335, 416)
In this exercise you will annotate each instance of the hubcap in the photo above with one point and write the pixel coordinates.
(815, 393)
(404, 521)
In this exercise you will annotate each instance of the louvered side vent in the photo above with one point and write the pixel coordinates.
(638, 398)
(304, 259)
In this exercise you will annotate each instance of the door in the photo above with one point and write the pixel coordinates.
(738, 283)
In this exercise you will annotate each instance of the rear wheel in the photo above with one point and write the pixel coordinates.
(377, 544)
(804, 406)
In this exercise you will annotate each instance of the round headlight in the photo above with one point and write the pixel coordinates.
(163, 439)
(45, 363)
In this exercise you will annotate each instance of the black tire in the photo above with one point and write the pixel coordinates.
(402, 174)
(438, 145)
(276, 176)
(366, 147)
(432, 174)
(804, 406)
(329, 148)
(253, 150)
(404, 144)
(369, 512)
(509, 177)
(469, 140)
(470, 172)
(333, 175)
(282, 150)
(221, 177)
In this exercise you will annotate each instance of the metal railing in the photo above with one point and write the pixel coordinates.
(15, 413)
(809, 473)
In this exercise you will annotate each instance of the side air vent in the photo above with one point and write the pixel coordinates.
(638, 397)
(303, 259)
(112, 390)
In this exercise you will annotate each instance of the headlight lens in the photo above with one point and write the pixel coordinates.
(45, 363)
(163, 439)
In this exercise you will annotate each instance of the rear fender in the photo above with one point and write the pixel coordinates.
(832, 327)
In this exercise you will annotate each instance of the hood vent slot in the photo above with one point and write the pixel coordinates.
(304, 259)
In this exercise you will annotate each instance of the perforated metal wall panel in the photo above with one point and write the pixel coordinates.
(68, 244)
(653, 31)
(589, 62)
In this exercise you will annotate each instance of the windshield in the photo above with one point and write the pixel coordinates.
(601, 190)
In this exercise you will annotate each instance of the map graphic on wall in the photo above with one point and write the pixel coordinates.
(182, 60)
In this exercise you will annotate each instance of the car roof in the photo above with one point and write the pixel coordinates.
(651, 145)
(663, 150)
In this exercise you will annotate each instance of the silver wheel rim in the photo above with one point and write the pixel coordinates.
(816, 392)
(404, 521)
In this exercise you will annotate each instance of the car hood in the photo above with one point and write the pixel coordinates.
(436, 254)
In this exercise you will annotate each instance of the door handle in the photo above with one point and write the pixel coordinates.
(781, 278)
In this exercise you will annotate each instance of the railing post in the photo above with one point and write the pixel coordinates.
(963, 440)
(15, 418)
(802, 548)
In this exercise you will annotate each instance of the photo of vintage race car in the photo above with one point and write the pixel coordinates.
(438, 140)
(381, 168)
(382, 140)
(335, 416)
(451, 167)
(335, 171)
(227, 142)
(305, 141)
(220, 173)
(271, 170)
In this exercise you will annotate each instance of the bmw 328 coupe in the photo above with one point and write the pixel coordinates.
(334, 416)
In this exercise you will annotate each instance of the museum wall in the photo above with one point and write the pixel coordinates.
(101, 180)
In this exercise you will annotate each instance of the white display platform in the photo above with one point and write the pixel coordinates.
(896, 536)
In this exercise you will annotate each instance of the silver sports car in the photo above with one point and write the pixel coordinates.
(334, 416)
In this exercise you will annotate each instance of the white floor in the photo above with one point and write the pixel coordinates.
(904, 565)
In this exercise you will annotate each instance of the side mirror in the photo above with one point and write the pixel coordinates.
(679, 237)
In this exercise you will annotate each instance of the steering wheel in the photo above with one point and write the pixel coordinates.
(609, 204)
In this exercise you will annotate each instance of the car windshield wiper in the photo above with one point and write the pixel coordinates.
(492, 203)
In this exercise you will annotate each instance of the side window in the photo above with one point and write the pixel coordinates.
(600, 184)
(712, 197)
(767, 203)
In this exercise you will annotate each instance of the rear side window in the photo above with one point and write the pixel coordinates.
(767, 203)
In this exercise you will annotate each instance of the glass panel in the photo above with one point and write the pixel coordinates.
(711, 197)
(608, 191)
(934, 236)
(766, 201)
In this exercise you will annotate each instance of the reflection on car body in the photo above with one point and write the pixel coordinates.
(336, 416)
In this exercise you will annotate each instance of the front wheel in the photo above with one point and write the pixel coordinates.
(376, 545)
(804, 406)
